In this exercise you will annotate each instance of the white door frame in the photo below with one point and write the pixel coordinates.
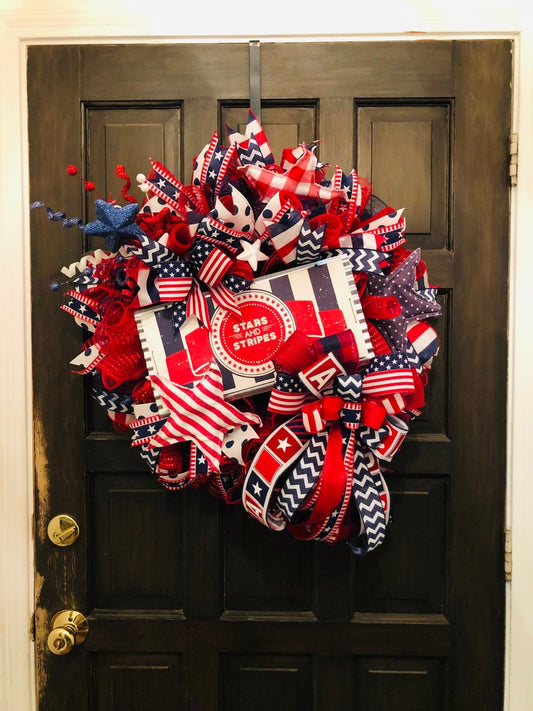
(61, 24)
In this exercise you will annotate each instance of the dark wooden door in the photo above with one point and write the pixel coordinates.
(192, 604)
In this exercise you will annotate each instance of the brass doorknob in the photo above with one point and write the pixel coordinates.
(69, 628)
(63, 530)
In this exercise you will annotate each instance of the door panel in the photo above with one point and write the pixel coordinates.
(125, 682)
(139, 563)
(419, 137)
(409, 575)
(191, 602)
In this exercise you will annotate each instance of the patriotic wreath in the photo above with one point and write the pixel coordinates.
(261, 332)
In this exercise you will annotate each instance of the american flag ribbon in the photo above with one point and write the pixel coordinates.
(288, 394)
(388, 374)
(284, 235)
(394, 403)
(174, 281)
(225, 298)
(214, 267)
(197, 305)
(209, 262)
(219, 234)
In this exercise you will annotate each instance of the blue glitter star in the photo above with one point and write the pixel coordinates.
(115, 223)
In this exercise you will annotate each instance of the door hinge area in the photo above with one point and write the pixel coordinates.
(508, 560)
(513, 159)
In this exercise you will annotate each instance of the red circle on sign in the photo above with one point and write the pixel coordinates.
(247, 345)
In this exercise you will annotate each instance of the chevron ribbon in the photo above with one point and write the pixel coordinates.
(251, 154)
(361, 259)
(309, 243)
(112, 401)
(330, 490)
(150, 456)
(303, 476)
(369, 503)
(151, 252)
(254, 131)
(381, 486)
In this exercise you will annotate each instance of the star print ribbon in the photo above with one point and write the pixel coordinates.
(169, 189)
(213, 167)
(83, 308)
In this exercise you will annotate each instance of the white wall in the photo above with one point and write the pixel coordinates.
(105, 20)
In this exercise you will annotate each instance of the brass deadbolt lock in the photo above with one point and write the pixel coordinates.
(69, 628)
(63, 530)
